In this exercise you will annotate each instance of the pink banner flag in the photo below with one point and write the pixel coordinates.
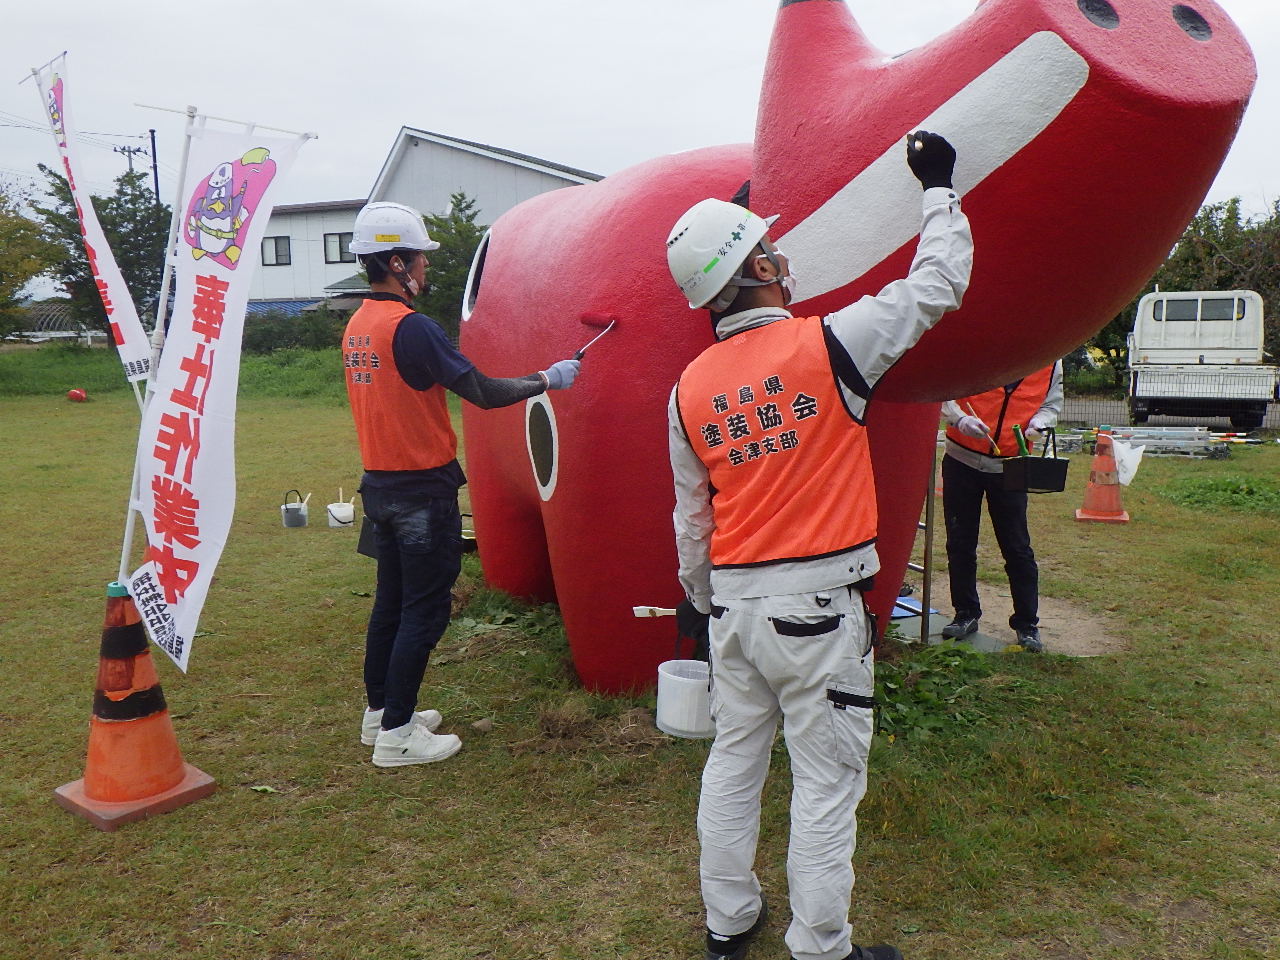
(186, 450)
(122, 313)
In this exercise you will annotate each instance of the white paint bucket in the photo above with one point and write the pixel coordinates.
(342, 514)
(684, 707)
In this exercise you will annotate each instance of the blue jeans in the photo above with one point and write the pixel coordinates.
(963, 488)
(419, 557)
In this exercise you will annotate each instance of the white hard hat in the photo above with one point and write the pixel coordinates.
(708, 245)
(390, 226)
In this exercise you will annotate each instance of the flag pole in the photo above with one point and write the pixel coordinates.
(157, 340)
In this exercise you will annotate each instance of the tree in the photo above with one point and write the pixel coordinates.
(137, 230)
(458, 235)
(1221, 249)
(25, 253)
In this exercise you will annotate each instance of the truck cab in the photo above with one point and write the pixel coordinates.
(1198, 353)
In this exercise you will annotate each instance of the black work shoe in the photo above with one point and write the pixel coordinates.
(881, 951)
(1029, 639)
(960, 627)
(735, 947)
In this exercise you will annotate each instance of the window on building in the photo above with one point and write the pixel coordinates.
(275, 251)
(337, 248)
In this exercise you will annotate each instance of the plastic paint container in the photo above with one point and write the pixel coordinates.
(342, 514)
(684, 706)
(293, 513)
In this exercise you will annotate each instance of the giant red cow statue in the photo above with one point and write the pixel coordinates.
(1087, 133)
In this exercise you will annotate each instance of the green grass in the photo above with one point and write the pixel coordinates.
(1122, 807)
(53, 369)
(1233, 492)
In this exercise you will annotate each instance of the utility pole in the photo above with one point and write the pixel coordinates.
(129, 153)
(155, 170)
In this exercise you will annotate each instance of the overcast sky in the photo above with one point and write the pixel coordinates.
(593, 84)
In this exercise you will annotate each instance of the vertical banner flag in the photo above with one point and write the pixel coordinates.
(126, 328)
(186, 450)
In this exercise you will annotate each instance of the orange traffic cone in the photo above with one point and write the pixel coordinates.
(1102, 496)
(135, 768)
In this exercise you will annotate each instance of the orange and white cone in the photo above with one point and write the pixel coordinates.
(135, 768)
(1102, 495)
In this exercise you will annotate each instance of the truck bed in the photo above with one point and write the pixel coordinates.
(1204, 381)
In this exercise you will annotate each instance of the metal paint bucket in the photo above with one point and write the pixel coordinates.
(684, 705)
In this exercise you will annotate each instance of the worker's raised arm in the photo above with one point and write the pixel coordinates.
(867, 337)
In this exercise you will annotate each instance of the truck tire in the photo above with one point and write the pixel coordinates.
(1247, 421)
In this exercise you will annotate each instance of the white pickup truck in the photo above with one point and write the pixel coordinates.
(1199, 354)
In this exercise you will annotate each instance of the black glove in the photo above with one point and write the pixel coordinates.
(931, 158)
(694, 625)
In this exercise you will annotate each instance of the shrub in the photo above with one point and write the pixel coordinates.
(312, 330)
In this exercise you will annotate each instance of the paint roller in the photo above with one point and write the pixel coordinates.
(606, 320)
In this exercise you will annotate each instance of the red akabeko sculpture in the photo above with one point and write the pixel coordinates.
(1087, 132)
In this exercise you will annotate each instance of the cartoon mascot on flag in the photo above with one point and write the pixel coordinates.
(220, 209)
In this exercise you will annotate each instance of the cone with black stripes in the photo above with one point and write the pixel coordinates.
(135, 768)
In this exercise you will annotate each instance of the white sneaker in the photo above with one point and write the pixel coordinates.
(373, 723)
(413, 743)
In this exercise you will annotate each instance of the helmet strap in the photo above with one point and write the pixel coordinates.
(402, 276)
(726, 296)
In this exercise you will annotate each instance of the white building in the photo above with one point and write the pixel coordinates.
(306, 254)
(424, 168)
(306, 248)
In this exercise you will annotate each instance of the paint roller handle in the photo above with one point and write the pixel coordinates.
(985, 431)
(654, 611)
(594, 319)
(1022, 441)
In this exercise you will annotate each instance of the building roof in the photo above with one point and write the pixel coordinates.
(355, 283)
(570, 174)
(289, 308)
(320, 207)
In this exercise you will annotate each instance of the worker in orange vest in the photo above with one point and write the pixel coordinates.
(775, 526)
(398, 364)
(979, 438)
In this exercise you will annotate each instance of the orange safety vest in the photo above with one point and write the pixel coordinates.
(789, 466)
(399, 428)
(1000, 408)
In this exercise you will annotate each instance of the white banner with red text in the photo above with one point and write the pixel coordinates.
(186, 451)
(122, 313)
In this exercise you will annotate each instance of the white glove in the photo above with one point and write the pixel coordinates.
(1037, 427)
(972, 427)
(561, 374)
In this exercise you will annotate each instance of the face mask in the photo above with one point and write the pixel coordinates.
(788, 282)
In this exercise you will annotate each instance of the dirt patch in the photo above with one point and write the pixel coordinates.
(571, 727)
(1065, 626)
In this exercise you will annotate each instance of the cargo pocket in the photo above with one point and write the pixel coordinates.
(852, 719)
(806, 627)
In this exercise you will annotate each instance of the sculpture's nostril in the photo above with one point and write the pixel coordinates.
(1196, 26)
(542, 443)
(1100, 12)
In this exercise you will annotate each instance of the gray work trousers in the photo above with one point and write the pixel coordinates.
(816, 670)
